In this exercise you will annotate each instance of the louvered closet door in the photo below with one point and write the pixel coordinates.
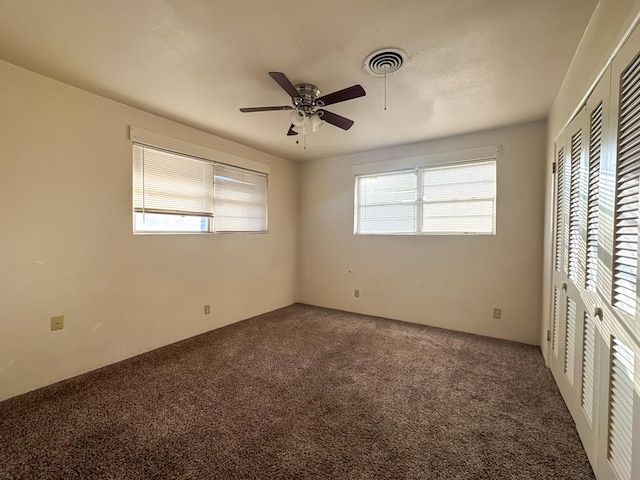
(618, 385)
(570, 260)
(619, 428)
(562, 185)
(594, 290)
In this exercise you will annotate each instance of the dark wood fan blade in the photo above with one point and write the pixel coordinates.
(264, 109)
(343, 95)
(282, 80)
(337, 120)
(291, 131)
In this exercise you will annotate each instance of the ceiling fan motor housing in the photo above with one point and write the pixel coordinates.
(308, 98)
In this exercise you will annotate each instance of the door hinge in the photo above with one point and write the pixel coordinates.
(553, 166)
(548, 335)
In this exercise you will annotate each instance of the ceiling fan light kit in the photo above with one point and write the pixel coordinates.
(307, 104)
(297, 118)
(316, 122)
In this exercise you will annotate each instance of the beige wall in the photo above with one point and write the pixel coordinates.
(447, 281)
(66, 245)
(66, 242)
(610, 24)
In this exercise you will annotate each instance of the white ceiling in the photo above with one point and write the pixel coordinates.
(473, 64)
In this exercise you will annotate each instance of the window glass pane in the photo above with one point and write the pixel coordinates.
(455, 199)
(457, 209)
(387, 203)
(453, 175)
(460, 225)
(387, 219)
(459, 199)
(173, 192)
(460, 191)
(240, 200)
(158, 222)
(388, 188)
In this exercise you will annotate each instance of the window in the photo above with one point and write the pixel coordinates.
(240, 200)
(452, 199)
(178, 193)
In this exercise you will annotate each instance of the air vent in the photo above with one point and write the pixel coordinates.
(385, 62)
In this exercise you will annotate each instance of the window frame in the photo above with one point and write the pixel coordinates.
(419, 202)
(144, 139)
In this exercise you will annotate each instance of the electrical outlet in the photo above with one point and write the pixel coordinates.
(497, 313)
(57, 322)
(207, 309)
(356, 293)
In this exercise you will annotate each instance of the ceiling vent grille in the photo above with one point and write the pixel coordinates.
(385, 62)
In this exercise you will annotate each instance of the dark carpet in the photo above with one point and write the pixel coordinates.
(302, 392)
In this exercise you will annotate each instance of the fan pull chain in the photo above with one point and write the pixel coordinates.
(385, 89)
(302, 131)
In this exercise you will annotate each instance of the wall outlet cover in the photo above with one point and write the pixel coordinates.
(57, 322)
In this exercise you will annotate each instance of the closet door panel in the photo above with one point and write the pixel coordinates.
(569, 270)
(595, 289)
(619, 383)
(561, 240)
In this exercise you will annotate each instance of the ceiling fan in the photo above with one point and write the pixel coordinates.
(306, 103)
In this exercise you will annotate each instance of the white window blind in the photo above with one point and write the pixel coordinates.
(240, 200)
(459, 199)
(174, 192)
(621, 393)
(170, 183)
(454, 199)
(386, 203)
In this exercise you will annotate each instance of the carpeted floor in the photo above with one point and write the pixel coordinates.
(302, 392)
